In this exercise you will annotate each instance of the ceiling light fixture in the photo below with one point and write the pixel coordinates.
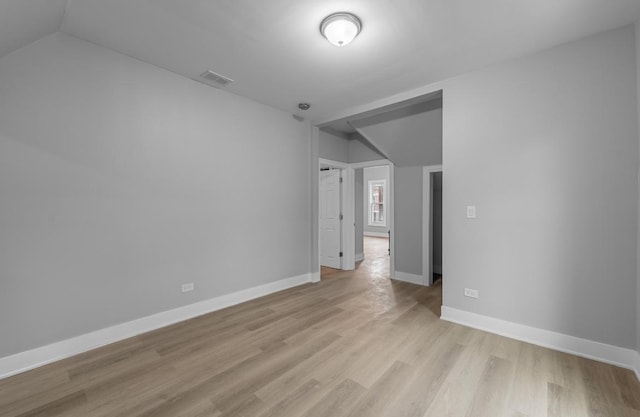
(340, 28)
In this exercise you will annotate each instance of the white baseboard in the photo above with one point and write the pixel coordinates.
(557, 341)
(24, 361)
(359, 257)
(376, 234)
(437, 269)
(412, 278)
(314, 277)
(637, 364)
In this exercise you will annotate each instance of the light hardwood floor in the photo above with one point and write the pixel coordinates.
(356, 344)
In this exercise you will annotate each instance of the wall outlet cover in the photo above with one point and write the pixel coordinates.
(471, 212)
(469, 292)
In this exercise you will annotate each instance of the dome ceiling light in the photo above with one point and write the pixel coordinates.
(340, 28)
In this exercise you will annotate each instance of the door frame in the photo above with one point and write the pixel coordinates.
(427, 222)
(390, 205)
(348, 233)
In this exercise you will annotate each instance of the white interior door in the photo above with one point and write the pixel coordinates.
(330, 218)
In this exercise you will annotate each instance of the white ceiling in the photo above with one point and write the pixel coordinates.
(276, 55)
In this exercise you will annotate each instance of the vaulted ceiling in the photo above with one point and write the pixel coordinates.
(276, 55)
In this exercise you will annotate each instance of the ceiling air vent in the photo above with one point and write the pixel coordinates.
(214, 79)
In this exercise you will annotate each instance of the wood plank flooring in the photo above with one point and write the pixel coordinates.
(354, 345)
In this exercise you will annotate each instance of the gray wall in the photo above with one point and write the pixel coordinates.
(637, 30)
(349, 150)
(374, 174)
(546, 147)
(408, 219)
(333, 147)
(437, 223)
(121, 181)
(359, 207)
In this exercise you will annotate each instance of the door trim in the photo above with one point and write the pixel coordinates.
(427, 222)
(332, 164)
(348, 210)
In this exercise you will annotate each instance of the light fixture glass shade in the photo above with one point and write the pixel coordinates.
(340, 28)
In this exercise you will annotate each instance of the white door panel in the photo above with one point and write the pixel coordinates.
(330, 218)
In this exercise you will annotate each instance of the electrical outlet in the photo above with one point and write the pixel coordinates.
(187, 287)
(471, 212)
(468, 292)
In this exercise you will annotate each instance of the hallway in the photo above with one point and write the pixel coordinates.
(374, 266)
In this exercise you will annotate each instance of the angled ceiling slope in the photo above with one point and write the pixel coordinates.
(409, 136)
(23, 22)
(408, 133)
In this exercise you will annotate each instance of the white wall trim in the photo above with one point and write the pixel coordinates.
(348, 225)
(406, 277)
(393, 102)
(637, 365)
(24, 361)
(332, 164)
(376, 234)
(359, 257)
(392, 217)
(564, 343)
(369, 164)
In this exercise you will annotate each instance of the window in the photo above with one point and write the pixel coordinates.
(377, 212)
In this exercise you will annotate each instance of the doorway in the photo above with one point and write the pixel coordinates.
(374, 213)
(436, 216)
(432, 224)
(352, 217)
